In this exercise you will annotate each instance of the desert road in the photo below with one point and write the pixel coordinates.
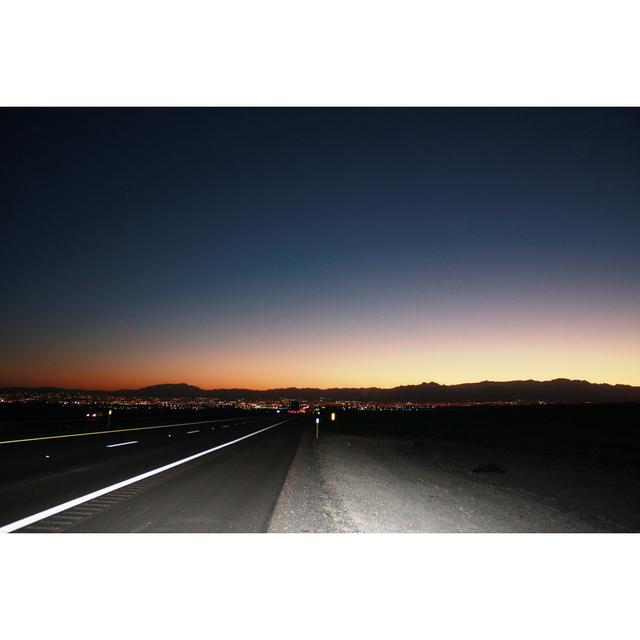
(201, 476)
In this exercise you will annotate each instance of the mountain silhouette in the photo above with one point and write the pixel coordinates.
(558, 390)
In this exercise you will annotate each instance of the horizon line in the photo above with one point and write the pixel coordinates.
(45, 386)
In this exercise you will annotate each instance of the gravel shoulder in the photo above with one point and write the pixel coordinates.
(349, 483)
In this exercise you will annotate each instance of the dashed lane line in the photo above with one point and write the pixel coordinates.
(100, 496)
(109, 431)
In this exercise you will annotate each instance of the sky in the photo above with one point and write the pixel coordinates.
(269, 248)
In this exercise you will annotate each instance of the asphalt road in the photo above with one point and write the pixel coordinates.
(218, 476)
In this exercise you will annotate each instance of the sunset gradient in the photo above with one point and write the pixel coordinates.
(275, 248)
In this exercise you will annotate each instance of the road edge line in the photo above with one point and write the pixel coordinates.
(41, 515)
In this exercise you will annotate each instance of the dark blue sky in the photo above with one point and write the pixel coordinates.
(254, 246)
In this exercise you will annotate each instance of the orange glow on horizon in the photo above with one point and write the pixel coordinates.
(326, 370)
(364, 353)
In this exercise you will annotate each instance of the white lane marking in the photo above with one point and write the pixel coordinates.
(111, 431)
(196, 431)
(122, 444)
(41, 515)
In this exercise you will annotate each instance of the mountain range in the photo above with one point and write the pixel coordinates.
(558, 390)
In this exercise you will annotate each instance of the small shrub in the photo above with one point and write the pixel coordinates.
(489, 467)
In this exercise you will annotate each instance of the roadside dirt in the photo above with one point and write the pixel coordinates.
(347, 483)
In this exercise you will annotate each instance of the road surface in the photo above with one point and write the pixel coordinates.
(213, 476)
